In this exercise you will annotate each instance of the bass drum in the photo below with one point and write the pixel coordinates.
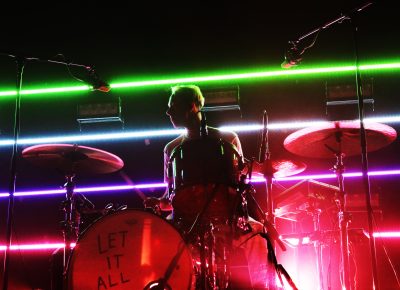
(130, 249)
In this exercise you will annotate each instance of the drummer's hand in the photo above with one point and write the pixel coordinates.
(152, 202)
(158, 203)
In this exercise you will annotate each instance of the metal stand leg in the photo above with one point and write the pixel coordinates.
(318, 249)
(344, 219)
(70, 224)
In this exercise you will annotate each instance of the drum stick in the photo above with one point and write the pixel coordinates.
(129, 181)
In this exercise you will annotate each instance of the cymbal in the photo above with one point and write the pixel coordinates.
(73, 159)
(280, 168)
(338, 137)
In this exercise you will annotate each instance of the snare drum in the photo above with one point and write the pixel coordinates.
(130, 249)
(204, 170)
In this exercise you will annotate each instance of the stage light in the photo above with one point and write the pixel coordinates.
(120, 136)
(36, 247)
(226, 77)
(93, 137)
(87, 189)
(60, 90)
(161, 185)
(386, 234)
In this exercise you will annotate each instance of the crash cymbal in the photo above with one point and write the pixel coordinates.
(280, 168)
(73, 159)
(339, 136)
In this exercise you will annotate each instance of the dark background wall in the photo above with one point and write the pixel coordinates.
(155, 41)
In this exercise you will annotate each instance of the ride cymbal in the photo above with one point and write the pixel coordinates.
(338, 137)
(73, 159)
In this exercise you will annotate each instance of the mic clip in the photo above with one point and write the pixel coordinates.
(293, 55)
(203, 125)
(97, 83)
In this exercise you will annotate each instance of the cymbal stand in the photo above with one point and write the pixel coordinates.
(20, 65)
(70, 225)
(21, 62)
(344, 220)
(294, 56)
(316, 213)
(268, 172)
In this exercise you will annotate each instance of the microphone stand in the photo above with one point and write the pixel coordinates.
(363, 142)
(20, 65)
(203, 125)
(20, 62)
(268, 172)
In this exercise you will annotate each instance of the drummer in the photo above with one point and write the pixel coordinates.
(184, 110)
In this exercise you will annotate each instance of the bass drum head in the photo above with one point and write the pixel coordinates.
(130, 249)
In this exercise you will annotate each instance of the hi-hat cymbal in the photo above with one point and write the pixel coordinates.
(73, 159)
(280, 168)
(338, 137)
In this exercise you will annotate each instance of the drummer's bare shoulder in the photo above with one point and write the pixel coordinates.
(228, 136)
(172, 144)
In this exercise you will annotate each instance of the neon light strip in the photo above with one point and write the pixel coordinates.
(164, 185)
(47, 91)
(329, 176)
(222, 77)
(53, 246)
(87, 189)
(386, 234)
(43, 246)
(175, 132)
(93, 137)
(256, 75)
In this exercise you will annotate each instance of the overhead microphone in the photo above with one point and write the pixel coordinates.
(264, 139)
(292, 55)
(97, 83)
(203, 125)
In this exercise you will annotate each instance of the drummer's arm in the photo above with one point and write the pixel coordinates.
(237, 144)
(164, 202)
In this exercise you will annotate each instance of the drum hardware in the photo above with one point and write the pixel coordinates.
(339, 139)
(21, 61)
(280, 167)
(203, 233)
(71, 160)
(162, 283)
(279, 269)
(308, 196)
(268, 171)
(205, 199)
(296, 201)
(212, 274)
(271, 235)
(111, 208)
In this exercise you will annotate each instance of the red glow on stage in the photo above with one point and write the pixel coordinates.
(53, 246)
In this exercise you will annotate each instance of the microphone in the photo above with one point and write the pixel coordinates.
(264, 138)
(292, 56)
(97, 83)
(203, 125)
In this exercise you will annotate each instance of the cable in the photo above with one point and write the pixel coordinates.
(24, 266)
(386, 253)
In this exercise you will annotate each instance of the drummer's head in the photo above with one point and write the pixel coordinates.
(184, 105)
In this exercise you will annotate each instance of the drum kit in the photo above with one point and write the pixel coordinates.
(137, 249)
